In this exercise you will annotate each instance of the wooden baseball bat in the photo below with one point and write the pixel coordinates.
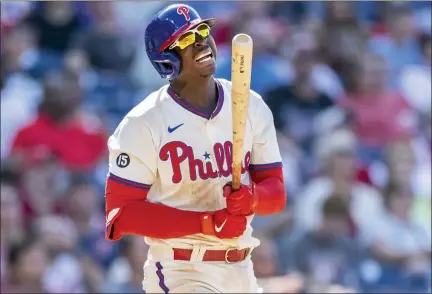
(241, 68)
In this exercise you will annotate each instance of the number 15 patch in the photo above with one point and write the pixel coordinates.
(123, 160)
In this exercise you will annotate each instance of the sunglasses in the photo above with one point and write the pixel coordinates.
(189, 37)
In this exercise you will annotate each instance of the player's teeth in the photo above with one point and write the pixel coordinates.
(205, 59)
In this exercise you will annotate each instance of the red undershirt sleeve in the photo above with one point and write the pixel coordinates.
(269, 191)
(128, 212)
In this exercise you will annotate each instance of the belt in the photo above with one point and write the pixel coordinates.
(229, 256)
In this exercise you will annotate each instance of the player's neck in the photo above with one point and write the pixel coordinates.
(200, 95)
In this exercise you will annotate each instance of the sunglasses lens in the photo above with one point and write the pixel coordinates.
(189, 38)
(203, 30)
(186, 40)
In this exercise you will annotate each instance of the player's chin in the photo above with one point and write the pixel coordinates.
(207, 68)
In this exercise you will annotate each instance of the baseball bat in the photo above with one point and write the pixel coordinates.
(241, 68)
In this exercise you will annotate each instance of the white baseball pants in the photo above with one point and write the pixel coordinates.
(162, 274)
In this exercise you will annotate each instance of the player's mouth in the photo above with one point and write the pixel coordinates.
(204, 56)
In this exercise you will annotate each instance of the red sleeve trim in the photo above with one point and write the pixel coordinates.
(120, 192)
(258, 176)
(128, 182)
(266, 166)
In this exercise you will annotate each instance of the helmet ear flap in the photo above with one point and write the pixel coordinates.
(167, 64)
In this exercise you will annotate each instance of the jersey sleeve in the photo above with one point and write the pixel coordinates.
(265, 150)
(132, 157)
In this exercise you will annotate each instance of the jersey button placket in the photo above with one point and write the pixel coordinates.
(210, 127)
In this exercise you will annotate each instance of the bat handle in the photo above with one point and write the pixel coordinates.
(236, 174)
(235, 186)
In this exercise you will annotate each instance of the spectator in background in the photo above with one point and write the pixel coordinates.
(41, 182)
(59, 123)
(83, 207)
(402, 247)
(265, 260)
(415, 80)
(230, 24)
(20, 93)
(12, 225)
(55, 23)
(108, 49)
(27, 263)
(399, 48)
(400, 160)
(64, 273)
(17, 48)
(12, 12)
(294, 12)
(378, 116)
(401, 167)
(323, 78)
(335, 153)
(12, 221)
(125, 273)
(296, 105)
(326, 254)
(110, 52)
(342, 37)
(269, 70)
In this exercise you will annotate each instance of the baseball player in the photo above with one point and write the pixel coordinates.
(171, 164)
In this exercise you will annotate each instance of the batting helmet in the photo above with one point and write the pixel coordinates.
(164, 29)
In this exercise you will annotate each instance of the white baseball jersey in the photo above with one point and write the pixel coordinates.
(184, 156)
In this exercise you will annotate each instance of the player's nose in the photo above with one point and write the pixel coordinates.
(200, 41)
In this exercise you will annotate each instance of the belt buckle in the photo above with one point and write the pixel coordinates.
(226, 254)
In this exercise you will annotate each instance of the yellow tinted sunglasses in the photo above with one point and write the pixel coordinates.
(188, 38)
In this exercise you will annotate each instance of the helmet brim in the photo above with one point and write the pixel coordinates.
(190, 25)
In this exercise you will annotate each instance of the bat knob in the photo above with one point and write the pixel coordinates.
(242, 40)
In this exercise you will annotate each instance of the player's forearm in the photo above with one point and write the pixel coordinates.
(270, 196)
(153, 220)
(269, 191)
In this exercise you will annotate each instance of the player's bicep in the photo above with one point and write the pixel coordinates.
(132, 166)
(128, 180)
(265, 149)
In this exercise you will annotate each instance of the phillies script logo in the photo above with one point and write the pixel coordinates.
(185, 11)
(179, 152)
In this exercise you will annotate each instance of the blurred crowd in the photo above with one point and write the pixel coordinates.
(349, 85)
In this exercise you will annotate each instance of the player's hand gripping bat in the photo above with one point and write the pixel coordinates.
(241, 68)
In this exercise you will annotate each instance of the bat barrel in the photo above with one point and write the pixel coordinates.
(241, 68)
(242, 40)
